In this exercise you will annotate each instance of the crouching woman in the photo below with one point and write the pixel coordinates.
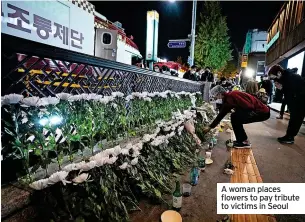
(248, 109)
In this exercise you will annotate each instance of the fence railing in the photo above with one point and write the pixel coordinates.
(32, 68)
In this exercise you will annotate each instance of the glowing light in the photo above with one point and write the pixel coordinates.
(172, 1)
(249, 72)
(43, 121)
(55, 120)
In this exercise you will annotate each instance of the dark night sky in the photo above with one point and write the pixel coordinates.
(175, 20)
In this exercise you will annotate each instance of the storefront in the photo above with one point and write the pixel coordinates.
(286, 38)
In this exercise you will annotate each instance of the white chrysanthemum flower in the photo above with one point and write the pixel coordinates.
(100, 159)
(128, 146)
(166, 129)
(151, 94)
(40, 184)
(48, 101)
(146, 138)
(75, 98)
(111, 98)
(11, 99)
(81, 178)
(114, 105)
(193, 101)
(85, 96)
(30, 101)
(24, 120)
(177, 96)
(157, 130)
(125, 151)
(59, 176)
(136, 153)
(117, 150)
(156, 94)
(124, 166)
(134, 161)
(112, 160)
(92, 96)
(97, 97)
(171, 134)
(180, 129)
(104, 100)
(109, 152)
(86, 166)
(159, 141)
(31, 138)
(70, 167)
(63, 96)
(138, 146)
(163, 95)
(129, 97)
(117, 94)
(147, 99)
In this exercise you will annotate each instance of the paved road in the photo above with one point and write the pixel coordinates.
(278, 163)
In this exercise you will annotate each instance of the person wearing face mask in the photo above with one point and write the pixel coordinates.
(191, 74)
(293, 87)
(247, 109)
(225, 84)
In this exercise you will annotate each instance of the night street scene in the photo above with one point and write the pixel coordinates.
(152, 111)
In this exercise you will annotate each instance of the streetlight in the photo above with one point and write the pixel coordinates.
(193, 33)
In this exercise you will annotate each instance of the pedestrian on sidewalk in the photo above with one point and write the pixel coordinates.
(284, 103)
(267, 84)
(191, 74)
(247, 109)
(252, 89)
(293, 86)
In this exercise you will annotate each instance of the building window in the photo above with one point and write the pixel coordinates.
(106, 38)
(296, 62)
(260, 70)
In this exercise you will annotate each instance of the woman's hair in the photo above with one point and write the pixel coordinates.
(252, 88)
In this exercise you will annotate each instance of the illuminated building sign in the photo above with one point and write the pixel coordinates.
(277, 35)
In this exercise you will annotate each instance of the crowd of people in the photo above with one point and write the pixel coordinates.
(250, 104)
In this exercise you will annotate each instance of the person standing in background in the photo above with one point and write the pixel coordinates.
(267, 84)
(293, 87)
(191, 74)
(252, 88)
(284, 103)
(207, 76)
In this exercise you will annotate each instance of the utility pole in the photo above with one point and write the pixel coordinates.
(193, 33)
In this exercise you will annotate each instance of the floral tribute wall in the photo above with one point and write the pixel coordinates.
(92, 158)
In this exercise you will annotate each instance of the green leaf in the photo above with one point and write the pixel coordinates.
(38, 152)
(9, 131)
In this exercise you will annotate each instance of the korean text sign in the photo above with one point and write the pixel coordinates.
(55, 23)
